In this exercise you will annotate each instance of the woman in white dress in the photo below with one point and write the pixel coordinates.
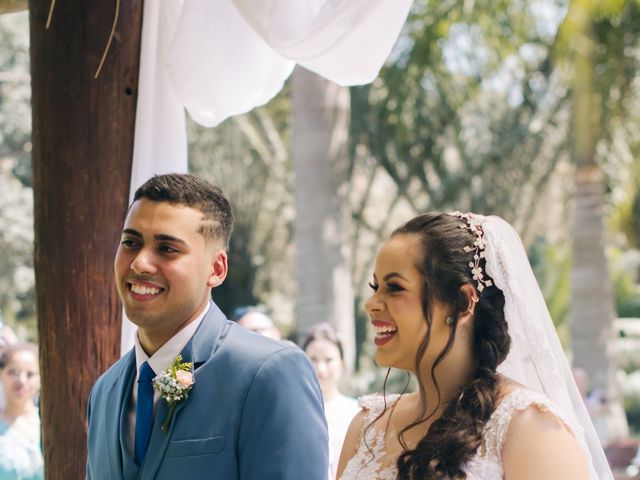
(324, 349)
(455, 303)
(20, 453)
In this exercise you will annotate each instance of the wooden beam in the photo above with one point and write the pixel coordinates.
(9, 6)
(82, 150)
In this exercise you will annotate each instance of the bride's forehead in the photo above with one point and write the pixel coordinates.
(399, 251)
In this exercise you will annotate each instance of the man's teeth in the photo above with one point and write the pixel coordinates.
(386, 330)
(142, 290)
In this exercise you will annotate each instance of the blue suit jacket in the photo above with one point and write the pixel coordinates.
(254, 413)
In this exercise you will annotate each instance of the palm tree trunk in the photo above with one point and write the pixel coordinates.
(323, 214)
(592, 304)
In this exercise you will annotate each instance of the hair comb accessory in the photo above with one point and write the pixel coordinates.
(473, 225)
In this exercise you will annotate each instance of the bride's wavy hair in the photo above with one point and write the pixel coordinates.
(454, 438)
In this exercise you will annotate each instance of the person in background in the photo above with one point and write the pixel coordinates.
(7, 337)
(255, 319)
(324, 349)
(20, 452)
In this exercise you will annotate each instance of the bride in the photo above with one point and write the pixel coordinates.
(455, 302)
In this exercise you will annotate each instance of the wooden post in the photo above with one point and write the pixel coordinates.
(82, 150)
(8, 6)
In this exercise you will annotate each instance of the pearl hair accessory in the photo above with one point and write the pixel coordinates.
(473, 225)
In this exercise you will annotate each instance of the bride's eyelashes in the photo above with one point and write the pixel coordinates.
(390, 287)
(394, 287)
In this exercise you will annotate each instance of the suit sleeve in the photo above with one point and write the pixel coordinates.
(88, 474)
(283, 431)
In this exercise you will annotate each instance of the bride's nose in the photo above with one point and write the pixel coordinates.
(374, 303)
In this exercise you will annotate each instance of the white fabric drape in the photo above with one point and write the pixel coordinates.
(229, 56)
(219, 58)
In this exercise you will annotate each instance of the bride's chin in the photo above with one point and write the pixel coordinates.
(382, 360)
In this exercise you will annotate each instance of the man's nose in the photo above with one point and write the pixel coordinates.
(143, 263)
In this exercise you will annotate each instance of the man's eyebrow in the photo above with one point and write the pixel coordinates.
(168, 238)
(163, 237)
(131, 231)
(391, 275)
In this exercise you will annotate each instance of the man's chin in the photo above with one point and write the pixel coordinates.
(139, 318)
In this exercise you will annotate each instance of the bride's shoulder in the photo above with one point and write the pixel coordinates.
(519, 407)
(528, 427)
(514, 398)
(377, 402)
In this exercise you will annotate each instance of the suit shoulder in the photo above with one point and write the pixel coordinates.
(251, 346)
(114, 372)
(246, 353)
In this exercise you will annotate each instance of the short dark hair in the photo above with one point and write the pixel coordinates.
(323, 331)
(191, 191)
(240, 312)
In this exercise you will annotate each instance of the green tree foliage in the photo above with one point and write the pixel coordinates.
(469, 114)
(17, 283)
(15, 96)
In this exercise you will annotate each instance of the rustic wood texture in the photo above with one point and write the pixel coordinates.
(82, 149)
(8, 6)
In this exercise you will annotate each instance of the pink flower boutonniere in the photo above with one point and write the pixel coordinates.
(174, 385)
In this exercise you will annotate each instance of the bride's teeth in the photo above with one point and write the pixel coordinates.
(142, 290)
(385, 330)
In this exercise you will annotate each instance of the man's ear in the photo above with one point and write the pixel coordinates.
(219, 269)
(471, 295)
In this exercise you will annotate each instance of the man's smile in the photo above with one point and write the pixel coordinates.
(144, 290)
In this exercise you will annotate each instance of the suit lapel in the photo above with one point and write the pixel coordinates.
(199, 350)
(119, 396)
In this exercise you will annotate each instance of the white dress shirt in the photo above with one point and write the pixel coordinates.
(159, 362)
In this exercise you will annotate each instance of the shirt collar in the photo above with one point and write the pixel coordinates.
(163, 357)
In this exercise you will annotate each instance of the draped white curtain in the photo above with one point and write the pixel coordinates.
(218, 58)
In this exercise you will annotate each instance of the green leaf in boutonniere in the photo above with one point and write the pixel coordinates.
(174, 385)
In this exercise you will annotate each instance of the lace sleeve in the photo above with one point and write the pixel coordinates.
(368, 461)
(496, 429)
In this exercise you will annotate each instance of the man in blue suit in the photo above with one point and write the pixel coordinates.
(254, 411)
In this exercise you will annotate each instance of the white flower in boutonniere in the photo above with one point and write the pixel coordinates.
(174, 385)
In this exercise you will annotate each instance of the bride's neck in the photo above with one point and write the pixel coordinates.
(451, 377)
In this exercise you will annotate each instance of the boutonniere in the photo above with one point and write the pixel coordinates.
(174, 385)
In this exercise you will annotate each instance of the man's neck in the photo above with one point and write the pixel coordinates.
(152, 340)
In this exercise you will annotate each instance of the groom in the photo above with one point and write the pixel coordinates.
(254, 410)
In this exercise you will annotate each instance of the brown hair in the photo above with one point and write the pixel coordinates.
(191, 191)
(9, 351)
(323, 331)
(455, 437)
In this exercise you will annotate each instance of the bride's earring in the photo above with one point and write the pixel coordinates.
(449, 320)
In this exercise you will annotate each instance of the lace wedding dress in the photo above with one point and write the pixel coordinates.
(372, 461)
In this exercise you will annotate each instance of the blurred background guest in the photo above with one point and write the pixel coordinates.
(20, 447)
(255, 319)
(324, 349)
(7, 337)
